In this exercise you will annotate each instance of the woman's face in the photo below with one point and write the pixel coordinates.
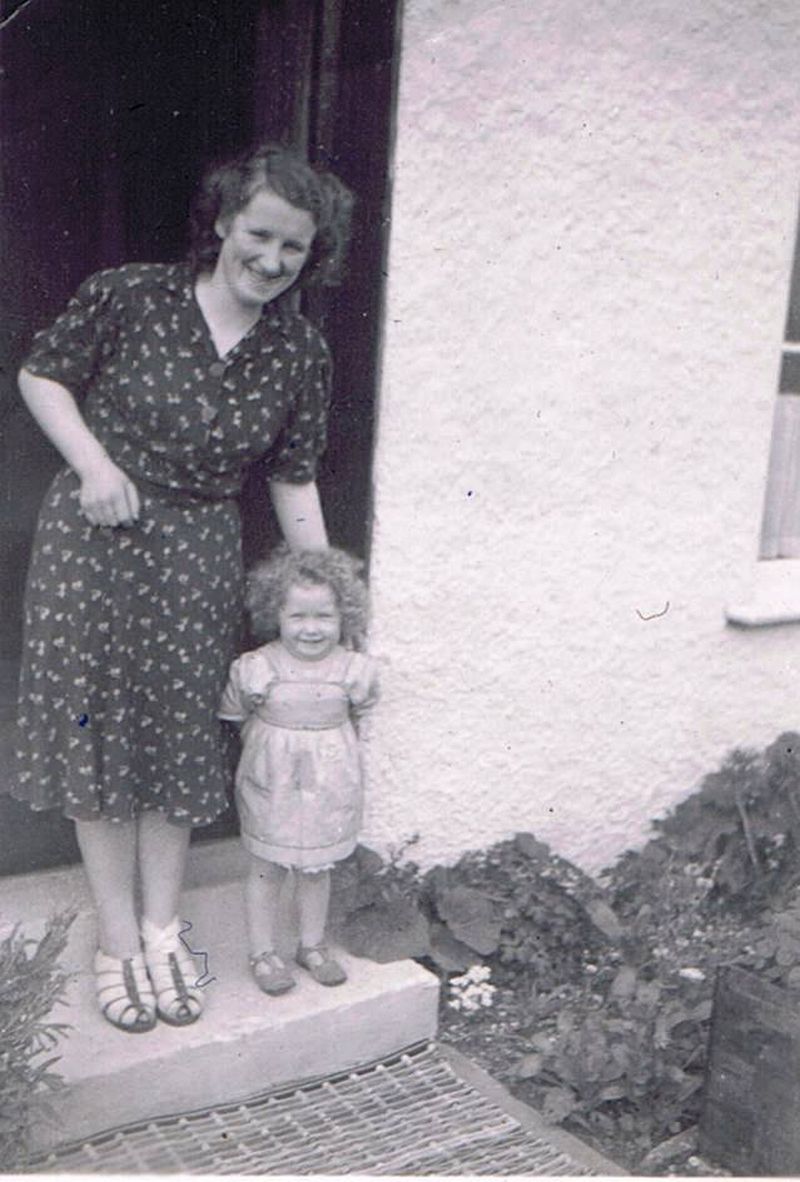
(264, 248)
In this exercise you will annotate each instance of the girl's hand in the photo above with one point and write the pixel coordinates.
(108, 496)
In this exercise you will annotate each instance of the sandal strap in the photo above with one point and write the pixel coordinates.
(173, 973)
(162, 940)
(124, 993)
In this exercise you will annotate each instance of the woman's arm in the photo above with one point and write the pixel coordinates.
(107, 496)
(299, 513)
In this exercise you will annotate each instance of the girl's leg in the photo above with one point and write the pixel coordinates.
(313, 896)
(108, 849)
(262, 894)
(162, 862)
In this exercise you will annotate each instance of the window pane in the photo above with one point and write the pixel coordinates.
(780, 531)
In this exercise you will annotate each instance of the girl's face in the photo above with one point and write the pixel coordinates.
(264, 248)
(310, 621)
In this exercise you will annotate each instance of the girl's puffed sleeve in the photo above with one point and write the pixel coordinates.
(361, 683)
(81, 339)
(304, 435)
(232, 705)
(248, 682)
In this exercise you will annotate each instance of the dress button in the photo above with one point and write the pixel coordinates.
(217, 369)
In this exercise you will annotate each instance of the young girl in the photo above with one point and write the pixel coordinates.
(299, 784)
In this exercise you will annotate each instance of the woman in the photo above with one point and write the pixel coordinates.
(160, 385)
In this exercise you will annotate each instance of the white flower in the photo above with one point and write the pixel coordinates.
(472, 990)
(692, 974)
(476, 974)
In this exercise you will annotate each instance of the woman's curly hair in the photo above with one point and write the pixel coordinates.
(228, 187)
(268, 586)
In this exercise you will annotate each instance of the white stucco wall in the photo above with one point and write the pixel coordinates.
(593, 221)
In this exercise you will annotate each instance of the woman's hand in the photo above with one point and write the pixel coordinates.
(108, 496)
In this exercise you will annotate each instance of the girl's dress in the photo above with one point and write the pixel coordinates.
(130, 631)
(299, 784)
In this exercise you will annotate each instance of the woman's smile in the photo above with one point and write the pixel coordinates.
(264, 249)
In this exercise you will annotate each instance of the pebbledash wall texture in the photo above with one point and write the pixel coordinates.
(593, 223)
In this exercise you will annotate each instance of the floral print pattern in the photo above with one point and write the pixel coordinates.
(130, 631)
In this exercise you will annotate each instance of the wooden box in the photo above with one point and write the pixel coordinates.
(751, 1115)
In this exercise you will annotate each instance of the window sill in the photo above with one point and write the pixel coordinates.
(775, 597)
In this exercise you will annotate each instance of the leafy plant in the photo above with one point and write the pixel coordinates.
(31, 982)
(375, 909)
(517, 905)
(524, 908)
(742, 828)
(632, 1061)
(774, 951)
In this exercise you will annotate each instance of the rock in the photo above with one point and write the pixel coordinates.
(680, 1145)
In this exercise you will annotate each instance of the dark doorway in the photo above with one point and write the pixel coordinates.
(110, 113)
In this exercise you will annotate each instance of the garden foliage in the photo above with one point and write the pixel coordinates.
(608, 989)
(517, 903)
(31, 982)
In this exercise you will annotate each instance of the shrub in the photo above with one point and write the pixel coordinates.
(31, 982)
(741, 829)
(517, 905)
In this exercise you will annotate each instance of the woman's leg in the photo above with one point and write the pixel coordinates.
(313, 897)
(162, 862)
(262, 895)
(108, 849)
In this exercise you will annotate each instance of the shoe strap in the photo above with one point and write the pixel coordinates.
(162, 940)
(317, 953)
(270, 958)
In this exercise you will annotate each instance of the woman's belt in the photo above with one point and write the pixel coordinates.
(177, 496)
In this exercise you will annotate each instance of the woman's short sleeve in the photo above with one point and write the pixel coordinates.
(81, 338)
(303, 438)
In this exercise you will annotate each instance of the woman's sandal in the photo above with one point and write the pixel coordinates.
(321, 965)
(124, 992)
(271, 974)
(179, 1000)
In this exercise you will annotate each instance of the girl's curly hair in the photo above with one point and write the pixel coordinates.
(228, 187)
(268, 586)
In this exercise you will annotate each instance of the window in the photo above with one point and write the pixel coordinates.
(776, 597)
(780, 530)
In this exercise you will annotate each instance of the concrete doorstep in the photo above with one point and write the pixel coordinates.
(245, 1042)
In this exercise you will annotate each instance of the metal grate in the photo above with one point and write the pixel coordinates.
(408, 1115)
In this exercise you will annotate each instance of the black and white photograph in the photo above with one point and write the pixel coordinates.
(400, 587)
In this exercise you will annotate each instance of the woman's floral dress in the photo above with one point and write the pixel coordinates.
(130, 631)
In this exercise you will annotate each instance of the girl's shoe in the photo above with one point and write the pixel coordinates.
(179, 1000)
(321, 965)
(124, 992)
(271, 974)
